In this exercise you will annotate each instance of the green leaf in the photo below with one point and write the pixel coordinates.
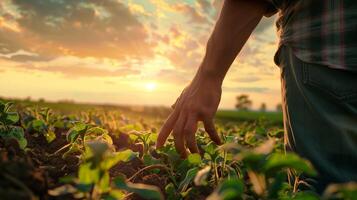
(16, 133)
(11, 118)
(202, 175)
(252, 160)
(230, 189)
(87, 175)
(170, 191)
(73, 133)
(194, 159)
(143, 190)
(230, 139)
(66, 179)
(278, 133)
(72, 149)
(2, 107)
(190, 175)
(115, 194)
(232, 184)
(50, 136)
(232, 174)
(260, 130)
(95, 151)
(279, 161)
(96, 133)
(277, 185)
(7, 107)
(104, 182)
(210, 148)
(121, 156)
(149, 160)
(305, 196)
(39, 126)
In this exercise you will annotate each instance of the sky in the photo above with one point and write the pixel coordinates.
(136, 52)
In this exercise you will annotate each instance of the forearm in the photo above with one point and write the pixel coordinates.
(237, 21)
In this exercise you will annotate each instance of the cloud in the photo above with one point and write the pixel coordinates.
(217, 4)
(74, 67)
(264, 24)
(192, 13)
(82, 71)
(94, 28)
(246, 89)
(186, 57)
(247, 79)
(205, 5)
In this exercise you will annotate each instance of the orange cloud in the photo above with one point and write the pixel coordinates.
(104, 28)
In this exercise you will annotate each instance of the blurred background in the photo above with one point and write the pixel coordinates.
(125, 52)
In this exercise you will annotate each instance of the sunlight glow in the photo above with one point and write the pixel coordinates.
(151, 86)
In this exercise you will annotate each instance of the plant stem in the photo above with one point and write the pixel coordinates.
(149, 168)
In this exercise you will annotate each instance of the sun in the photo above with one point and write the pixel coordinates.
(151, 86)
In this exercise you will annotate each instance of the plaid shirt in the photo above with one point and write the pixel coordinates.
(319, 31)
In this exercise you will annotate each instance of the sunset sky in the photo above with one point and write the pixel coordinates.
(124, 51)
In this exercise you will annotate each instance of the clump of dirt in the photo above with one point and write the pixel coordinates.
(155, 179)
(20, 177)
(150, 179)
(42, 153)
(128, 168)
(30, 174)
(122, 141)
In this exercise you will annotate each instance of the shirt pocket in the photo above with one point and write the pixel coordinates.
(340, 84)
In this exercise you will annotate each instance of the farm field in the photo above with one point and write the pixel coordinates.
(81, 151)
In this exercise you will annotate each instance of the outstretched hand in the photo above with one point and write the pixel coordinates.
(197, 102)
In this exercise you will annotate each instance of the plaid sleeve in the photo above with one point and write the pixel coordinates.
(272, 8)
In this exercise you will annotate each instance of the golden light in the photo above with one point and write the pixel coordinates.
(151, 86)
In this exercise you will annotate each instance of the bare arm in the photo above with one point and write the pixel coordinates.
(199, 101)
(233, 28)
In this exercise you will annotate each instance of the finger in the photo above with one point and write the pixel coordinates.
(189, 131)
(173, 106)
(211, 130)
(166, 129)
(179, 137)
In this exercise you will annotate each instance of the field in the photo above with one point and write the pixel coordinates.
(82, 151)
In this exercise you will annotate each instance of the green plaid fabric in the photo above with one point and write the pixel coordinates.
(319, 31)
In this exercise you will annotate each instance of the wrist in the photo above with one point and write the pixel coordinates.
(210, 75)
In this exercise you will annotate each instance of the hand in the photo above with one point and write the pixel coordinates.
(198, 102)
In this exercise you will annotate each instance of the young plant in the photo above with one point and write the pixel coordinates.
(80, 134)
(8, 127)
(40, 122)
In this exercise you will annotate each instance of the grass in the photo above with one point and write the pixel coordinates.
(275, 118)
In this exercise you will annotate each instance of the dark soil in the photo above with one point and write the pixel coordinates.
(30, 174)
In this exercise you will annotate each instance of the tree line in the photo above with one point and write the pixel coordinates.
(244, 103)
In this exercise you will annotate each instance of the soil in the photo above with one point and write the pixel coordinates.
(25, 175)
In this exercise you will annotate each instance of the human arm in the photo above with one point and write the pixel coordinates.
(199, 101)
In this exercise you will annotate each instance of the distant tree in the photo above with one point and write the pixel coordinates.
(263, 107)
(243, 102)
(279, 108)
